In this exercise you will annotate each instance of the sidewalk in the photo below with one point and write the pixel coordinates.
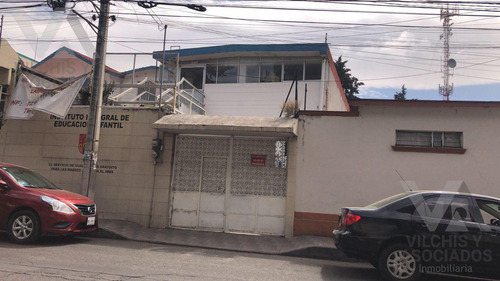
(302, 246)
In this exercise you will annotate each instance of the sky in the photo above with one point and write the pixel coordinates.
(387, 43)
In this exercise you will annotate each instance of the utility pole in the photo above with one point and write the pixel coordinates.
(1, 29)
(94, 121)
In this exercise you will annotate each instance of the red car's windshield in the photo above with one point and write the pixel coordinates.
(28, 178)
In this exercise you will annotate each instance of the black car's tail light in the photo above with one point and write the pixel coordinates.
(349, 219)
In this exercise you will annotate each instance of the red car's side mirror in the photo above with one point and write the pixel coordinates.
(3, 185)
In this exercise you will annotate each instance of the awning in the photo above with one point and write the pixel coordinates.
(227, 125)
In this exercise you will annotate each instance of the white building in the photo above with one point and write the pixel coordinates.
(262, 174)
(254, 80)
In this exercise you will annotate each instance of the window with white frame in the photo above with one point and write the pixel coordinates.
(434, 139)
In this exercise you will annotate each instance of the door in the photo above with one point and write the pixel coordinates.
(447, 234)
(229, 184)
(4, 200)
(490, 217)
(203, 208)
(257, 199)
(212, 193)
(199, 182)
(194, 75)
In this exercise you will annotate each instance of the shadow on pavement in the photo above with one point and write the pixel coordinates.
(45, 241)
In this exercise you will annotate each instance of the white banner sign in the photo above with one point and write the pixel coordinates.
(27, 96)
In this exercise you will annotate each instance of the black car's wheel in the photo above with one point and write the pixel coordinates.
(23, 227)
(396, 262)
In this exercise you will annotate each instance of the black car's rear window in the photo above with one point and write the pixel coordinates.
(386, 201)
(27, 178)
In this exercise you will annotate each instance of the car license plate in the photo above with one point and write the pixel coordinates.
(91, 221)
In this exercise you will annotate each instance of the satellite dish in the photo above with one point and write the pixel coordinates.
(452, 63)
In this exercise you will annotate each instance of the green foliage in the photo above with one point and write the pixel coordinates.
(350, 84)
(83, 97)
(401, 95)
(107, 90)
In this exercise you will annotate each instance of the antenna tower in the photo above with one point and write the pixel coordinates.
(446, 89)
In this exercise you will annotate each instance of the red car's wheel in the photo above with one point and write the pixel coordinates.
(24, 227)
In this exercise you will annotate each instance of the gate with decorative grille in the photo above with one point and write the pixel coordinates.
(232, 184)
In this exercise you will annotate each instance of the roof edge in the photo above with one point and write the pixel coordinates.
(235, 48)
(423, 103)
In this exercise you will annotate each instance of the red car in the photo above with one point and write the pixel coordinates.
(30, 205)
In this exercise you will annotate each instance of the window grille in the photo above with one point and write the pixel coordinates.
(429, 139)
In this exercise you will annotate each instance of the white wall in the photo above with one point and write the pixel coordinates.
(335, 102)
(348, 161)
(258, 99)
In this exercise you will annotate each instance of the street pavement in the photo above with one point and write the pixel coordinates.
(302, 246)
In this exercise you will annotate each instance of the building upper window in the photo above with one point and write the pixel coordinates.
(294, 69)
(313, 70)
(263, 70)
(429, 141)
(249, 71)
(227, 71)
(270, 71)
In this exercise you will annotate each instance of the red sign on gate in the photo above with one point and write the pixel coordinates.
(81, 143)
(258, 160)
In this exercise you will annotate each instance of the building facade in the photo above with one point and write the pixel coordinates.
(261, 174)
(356, 159)
(255, 80)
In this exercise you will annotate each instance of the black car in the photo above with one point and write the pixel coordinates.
(409, 234)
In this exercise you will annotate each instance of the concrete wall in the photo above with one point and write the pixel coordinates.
(125, 185)
(348, 161)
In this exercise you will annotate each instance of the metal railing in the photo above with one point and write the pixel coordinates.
(181, 98)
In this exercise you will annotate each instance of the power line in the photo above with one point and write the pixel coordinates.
(21, 7)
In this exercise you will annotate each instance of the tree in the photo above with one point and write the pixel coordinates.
(107, 90)
(83, 97)
(401, 95)
(350, 84)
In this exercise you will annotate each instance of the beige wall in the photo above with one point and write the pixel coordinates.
(29, 63)
(348, 161)
(124, 183)
(8, 62)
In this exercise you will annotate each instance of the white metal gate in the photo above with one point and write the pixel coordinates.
(217, 186)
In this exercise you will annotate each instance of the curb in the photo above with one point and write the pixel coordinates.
(309, 252)
(320, 253)
(104, 233)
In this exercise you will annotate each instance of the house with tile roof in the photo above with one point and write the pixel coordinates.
(66, 63)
